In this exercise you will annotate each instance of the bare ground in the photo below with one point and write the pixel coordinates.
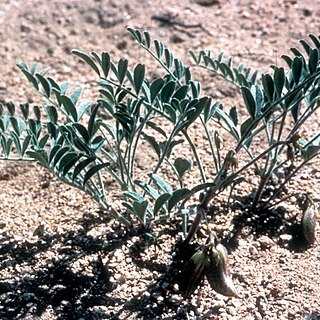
(56, 272)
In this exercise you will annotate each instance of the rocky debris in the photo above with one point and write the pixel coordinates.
(60, 257)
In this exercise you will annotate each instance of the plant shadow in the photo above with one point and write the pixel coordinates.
(54, 285)
(266, 222)
(70, 293)
(163, 297)
(75, 294)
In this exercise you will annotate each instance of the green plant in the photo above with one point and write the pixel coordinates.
(74, 142)
(278, 110)
(81, 149)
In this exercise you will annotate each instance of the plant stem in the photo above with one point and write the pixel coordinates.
(283, 199)
(195, 225)
(216, 164)
(218, 74)
(277, 191)
(163, 156)
(215, 185)
(138, 133)
(17, 159)
(268, 170)
(114, 213)
(263, 181)
(196, 155)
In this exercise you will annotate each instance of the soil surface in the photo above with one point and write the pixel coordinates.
(61, 257)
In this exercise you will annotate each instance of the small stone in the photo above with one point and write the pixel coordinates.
(25, 28)
(253, 251)
(28, 296)
(122, 45)
(176, 39)
(128, 260)
(251, 306)
(218, 228)
(282, 17)
(219, 304)
(257, 316)
(224, 315)
(291, 313)
(119, 256)
(306, 12)
(246, 14)
(265, 242)
(236, 303)
(175, 298)
(65, 303)
(285, 237)
(39, 231)
(232, 311)
(176, 287)
(45, 184)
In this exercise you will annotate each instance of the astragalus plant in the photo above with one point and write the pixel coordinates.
(87, 143)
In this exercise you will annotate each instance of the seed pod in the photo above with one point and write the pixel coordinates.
(218, 140)
(295, 140)
(290, 154)
(234, 163)
(231, 161)
(193, 273)
(309, 222)
(218, 273)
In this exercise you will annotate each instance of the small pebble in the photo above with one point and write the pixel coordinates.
(253, 251)
(265, 242)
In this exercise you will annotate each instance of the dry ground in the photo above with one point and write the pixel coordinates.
(57, 275)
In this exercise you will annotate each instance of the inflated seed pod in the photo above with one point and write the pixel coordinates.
(218, 273)
(231, 161)
(309, 222)
(193, 273)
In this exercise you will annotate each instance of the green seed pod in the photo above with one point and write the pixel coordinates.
(193, 273)
(309, 222)
(218, 273)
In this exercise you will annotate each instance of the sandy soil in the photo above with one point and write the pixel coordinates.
(60, 257)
